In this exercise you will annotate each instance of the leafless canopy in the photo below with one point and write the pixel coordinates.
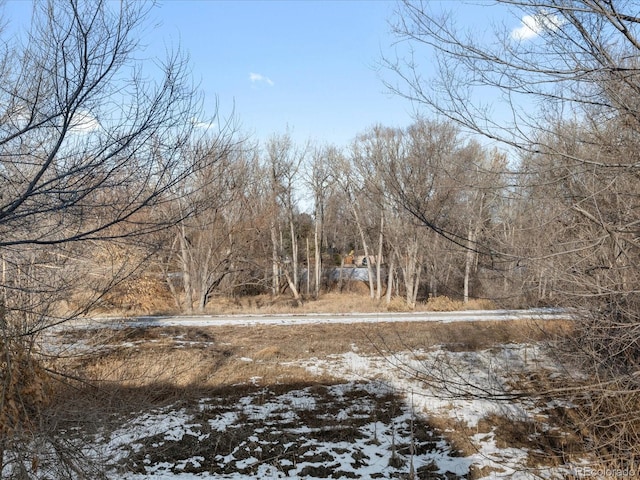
(88, 138)
(562, 93)
(568, 60)
(92, 141)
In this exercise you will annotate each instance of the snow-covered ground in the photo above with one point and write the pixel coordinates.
(390, 415)
(377, 422)
(463, 386)
(310, 432)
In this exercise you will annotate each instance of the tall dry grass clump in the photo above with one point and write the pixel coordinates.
(445, 304)
(25, 389)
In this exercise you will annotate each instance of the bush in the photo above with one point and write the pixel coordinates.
(398, 304)
(445, 304)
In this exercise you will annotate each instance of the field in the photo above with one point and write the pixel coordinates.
(384, 400)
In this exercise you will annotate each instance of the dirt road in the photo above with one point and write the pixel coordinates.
(321, 318)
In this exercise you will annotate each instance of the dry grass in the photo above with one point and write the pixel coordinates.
(227, 355)
(551, 446)
(446, 304)
(146, 297)
(132, 370)
(326, 303)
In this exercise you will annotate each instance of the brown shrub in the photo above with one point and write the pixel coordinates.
(445, 304)
(398, 304)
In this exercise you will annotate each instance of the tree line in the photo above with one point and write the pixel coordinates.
(431, 209)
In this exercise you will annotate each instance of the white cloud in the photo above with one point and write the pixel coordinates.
(84, 122)
(257, 77)
(204, 125)
(533, 25)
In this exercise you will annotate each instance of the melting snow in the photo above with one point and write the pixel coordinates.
(317, 432)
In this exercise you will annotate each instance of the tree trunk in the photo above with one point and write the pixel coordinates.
(294, 248)
(379, 260)
(390, 278)
(308, 268)
(318, 257)
(205, 282)
(416, 285)
(275, 262)
(468, 263)
(4, 290)
(365, 247)
(186, 271)
(411, 272)
(292, 286)
(433, 281)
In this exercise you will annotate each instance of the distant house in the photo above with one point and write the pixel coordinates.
(362, 261)
(359, 261)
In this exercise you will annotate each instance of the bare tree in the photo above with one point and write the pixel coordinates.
(88, 149)
(569, 80)
(369, 150)
(428, 174)
(284, 161)
(206, 248)
(320, 182)
(352, 184)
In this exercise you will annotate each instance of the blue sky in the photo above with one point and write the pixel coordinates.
(310, 66)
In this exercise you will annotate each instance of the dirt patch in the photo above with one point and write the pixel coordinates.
(548, 446)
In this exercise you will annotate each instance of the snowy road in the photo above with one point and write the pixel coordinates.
(321, 318)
